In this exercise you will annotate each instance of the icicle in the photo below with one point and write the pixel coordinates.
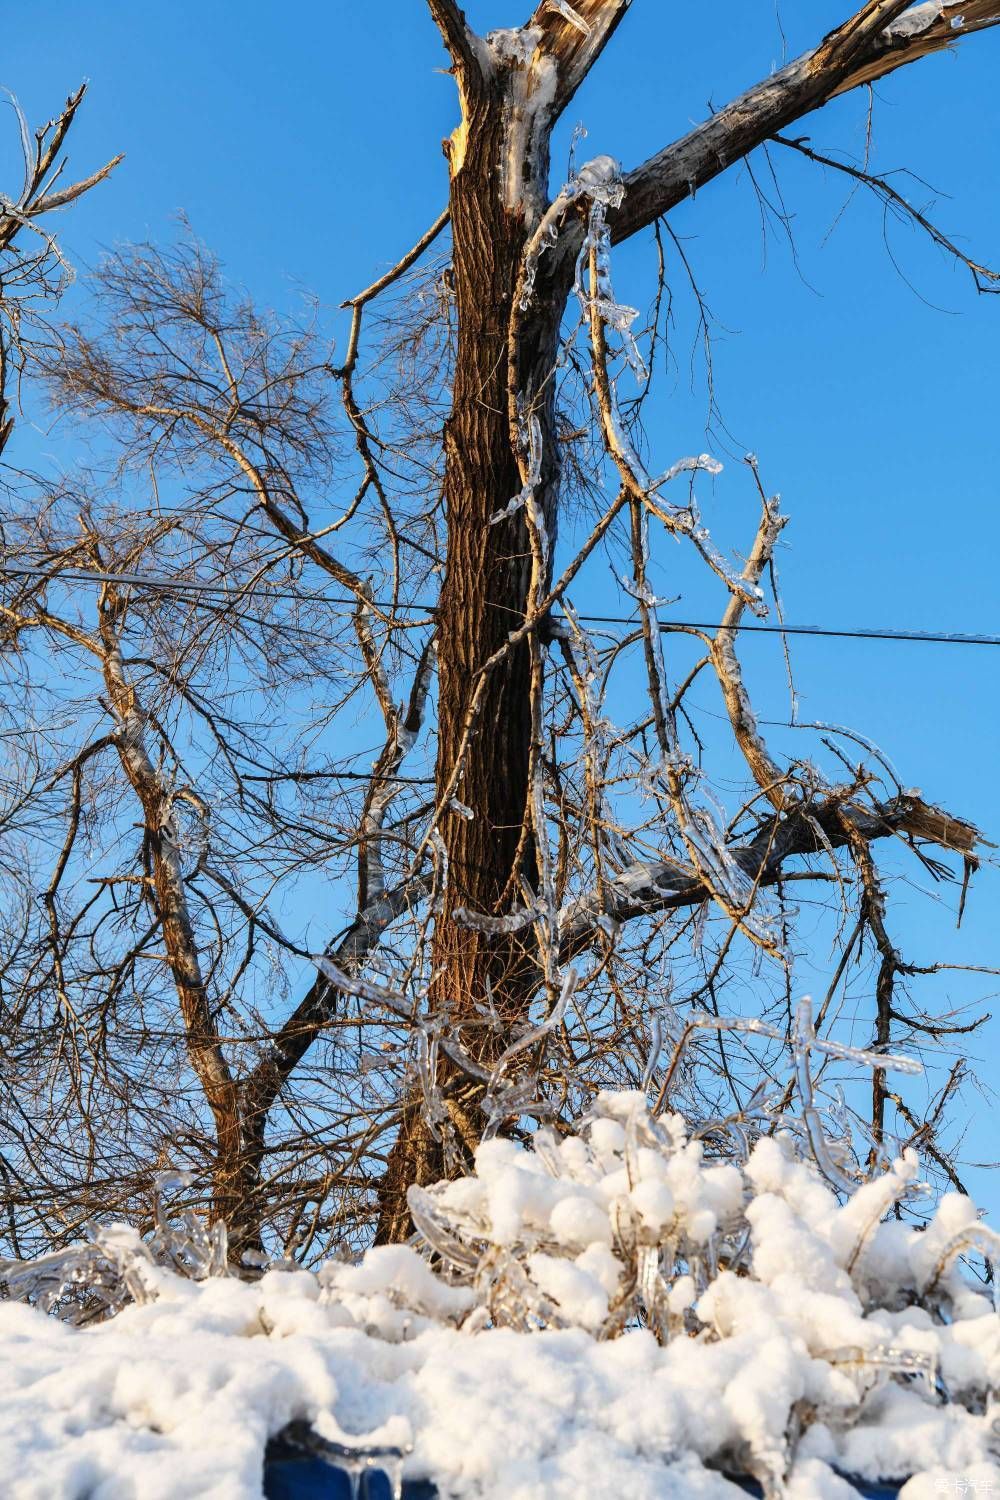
(436, 1231)
(650, 1285)
(546, 1148)
(440, 849)
(218, 1260)
(393, 1470)
(653, 1056)
(531, 436)
(511, 1103)
(356, 1460)
(579, 134)
(886, 1359)
(539, 525)
(972, 1237)
(488, 1011)
(434, 1110)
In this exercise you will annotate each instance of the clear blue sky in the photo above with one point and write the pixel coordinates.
(303, 143)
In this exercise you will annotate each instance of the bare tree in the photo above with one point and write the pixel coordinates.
(276, 562)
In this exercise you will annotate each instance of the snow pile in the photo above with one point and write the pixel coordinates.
(606, 1313)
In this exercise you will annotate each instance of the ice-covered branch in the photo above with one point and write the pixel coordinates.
(337, 975)
(765, 770)
(156, 797)
(604, 190)
(654, 885)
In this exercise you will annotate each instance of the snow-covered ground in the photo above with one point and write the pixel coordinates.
(794, 1336)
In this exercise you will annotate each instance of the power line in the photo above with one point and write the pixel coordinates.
(368, 776)
(233, 596)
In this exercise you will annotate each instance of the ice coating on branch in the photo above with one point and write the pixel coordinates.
(600, 182)
(564, 9)
(531, 443)
(514, 921)
(674, 775)
(613, 1300)
(704, 462)
(364, 989)
(528, 102)
(542, 241)
(912, 22)
(497, 1105)
(513, 44)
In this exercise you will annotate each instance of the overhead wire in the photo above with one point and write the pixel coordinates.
(234, 595)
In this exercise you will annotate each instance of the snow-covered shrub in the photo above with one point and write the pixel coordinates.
(848, 1316)
(611, 1308)
(113, 1265)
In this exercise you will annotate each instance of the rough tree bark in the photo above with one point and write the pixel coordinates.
(483, 595)
(512, 90)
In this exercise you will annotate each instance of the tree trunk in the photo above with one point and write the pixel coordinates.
(483, 598)
(235, 1173)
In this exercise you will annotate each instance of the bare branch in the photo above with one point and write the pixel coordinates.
(986, 279)
(460, 40)
(858, 52)
(378, 286)
(50, 201)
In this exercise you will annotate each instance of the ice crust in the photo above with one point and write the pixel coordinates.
(789, 1333)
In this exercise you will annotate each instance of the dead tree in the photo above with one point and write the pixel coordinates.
(526, 874)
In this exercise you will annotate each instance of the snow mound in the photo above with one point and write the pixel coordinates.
(610, 1312)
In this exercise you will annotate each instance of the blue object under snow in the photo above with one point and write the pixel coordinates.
(862, 1487)
(313, 1479)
